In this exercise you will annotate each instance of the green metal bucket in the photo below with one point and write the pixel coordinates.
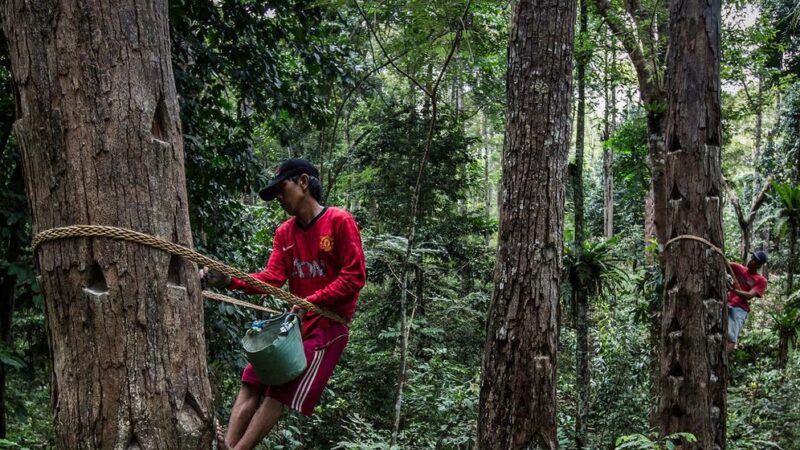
(275, 349)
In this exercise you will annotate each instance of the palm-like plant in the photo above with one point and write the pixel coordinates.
(593, 271)
(787, 324)
(788, 197)
(596, 270)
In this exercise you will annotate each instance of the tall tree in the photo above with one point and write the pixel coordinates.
(640, 28)
(518, 387)
(580, 298)
(609, 122)
(99, 133)
(430, 108)
(693, 364)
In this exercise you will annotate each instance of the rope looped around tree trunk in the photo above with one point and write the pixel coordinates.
(124, 234)
(712, 247)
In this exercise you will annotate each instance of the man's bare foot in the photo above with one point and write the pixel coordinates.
(221, 445)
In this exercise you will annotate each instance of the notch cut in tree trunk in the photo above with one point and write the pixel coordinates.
(518, 385)
(693, 364)
(99, 132)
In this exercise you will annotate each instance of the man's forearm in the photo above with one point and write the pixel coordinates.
(747, 295)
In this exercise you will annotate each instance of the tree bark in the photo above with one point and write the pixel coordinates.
(99, 134)
(583, 377)
(693, 367)
(518, 387)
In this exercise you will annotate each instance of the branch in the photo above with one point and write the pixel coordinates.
(750, 101)
(345, 99)
(385, 53)
(631, 45)
(654, 47)
(429, 138)
(758, 200)
(734, 201)
(334, 172)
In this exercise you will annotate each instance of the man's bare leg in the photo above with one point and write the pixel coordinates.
(242, 412)
(265, 417)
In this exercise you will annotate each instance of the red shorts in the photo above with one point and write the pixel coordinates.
(323, 347)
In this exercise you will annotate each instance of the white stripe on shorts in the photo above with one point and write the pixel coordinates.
(302, 390)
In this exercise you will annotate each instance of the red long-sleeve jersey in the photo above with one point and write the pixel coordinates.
(323, 262)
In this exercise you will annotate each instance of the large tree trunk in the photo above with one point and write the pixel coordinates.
(518, 387)
(693, 365)
(99, 133)
(583, 377)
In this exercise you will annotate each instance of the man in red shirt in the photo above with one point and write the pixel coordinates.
(751, 284)
(318, 250)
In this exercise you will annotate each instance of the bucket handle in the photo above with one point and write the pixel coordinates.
(288, 323)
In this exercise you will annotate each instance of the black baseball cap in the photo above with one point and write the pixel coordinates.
(287, 169)
(759, 256)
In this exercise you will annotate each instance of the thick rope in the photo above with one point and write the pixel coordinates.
(179, 250)
(712, 247)
(235, 301)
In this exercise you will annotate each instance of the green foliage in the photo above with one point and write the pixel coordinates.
(642, 442)
(783, 15)
(595, 268)
(782, 152)
(631, 172)
(762, 407)
(390, 159)
(788, 199)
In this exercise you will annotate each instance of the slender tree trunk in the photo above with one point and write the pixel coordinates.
(518, 386)
(609, 92)
(693, 368)
(608, 193)
(583, 377)
(641, 44)
(656, 200)
(487, 185)
(784, 337)
(431, 100)
(792, 256)
(744, 245)
(759, 131)
(99, 133)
